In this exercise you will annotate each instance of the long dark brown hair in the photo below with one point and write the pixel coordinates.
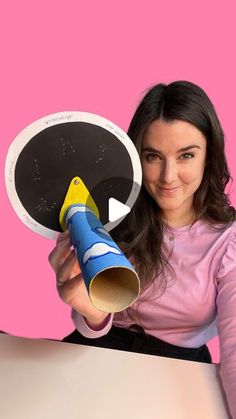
(140, 235)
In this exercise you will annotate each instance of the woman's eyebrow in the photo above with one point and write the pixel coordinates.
(188, 148)
(154, 150)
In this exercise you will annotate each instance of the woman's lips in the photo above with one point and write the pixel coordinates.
(168, 190)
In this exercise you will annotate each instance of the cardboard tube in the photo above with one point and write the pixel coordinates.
(114, 289)
(111, 280)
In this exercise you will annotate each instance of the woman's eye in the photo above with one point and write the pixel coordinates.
(151, 157)
(186, 156)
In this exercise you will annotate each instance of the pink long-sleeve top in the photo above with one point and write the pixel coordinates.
(199, 302)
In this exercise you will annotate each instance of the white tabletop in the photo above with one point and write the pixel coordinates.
(42, 379)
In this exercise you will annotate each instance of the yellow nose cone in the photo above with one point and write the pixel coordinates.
(77, 193)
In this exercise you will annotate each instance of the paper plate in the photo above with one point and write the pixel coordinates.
(50, 152)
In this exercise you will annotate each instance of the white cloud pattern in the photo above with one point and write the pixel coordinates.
(98, 250)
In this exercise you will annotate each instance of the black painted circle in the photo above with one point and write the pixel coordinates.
(49, 161)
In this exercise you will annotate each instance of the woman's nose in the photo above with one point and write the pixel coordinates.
(168, 172)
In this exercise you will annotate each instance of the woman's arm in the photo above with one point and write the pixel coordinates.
(226, 322)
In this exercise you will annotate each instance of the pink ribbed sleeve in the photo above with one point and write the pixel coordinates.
(85, 330)
(226, 321)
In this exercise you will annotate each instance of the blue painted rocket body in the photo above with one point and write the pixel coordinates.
(97, 252)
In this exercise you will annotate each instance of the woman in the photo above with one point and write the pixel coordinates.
(180, 236)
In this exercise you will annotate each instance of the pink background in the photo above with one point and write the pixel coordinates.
(97, 57)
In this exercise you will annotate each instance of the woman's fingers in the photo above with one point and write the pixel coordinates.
(63, 236)
(72, 292)
(70, 285)
(67, 268)
(60, 252)
(69, 281)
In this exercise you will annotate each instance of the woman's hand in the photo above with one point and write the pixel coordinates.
(70, 284)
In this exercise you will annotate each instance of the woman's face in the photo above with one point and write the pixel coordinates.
(173, 161)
